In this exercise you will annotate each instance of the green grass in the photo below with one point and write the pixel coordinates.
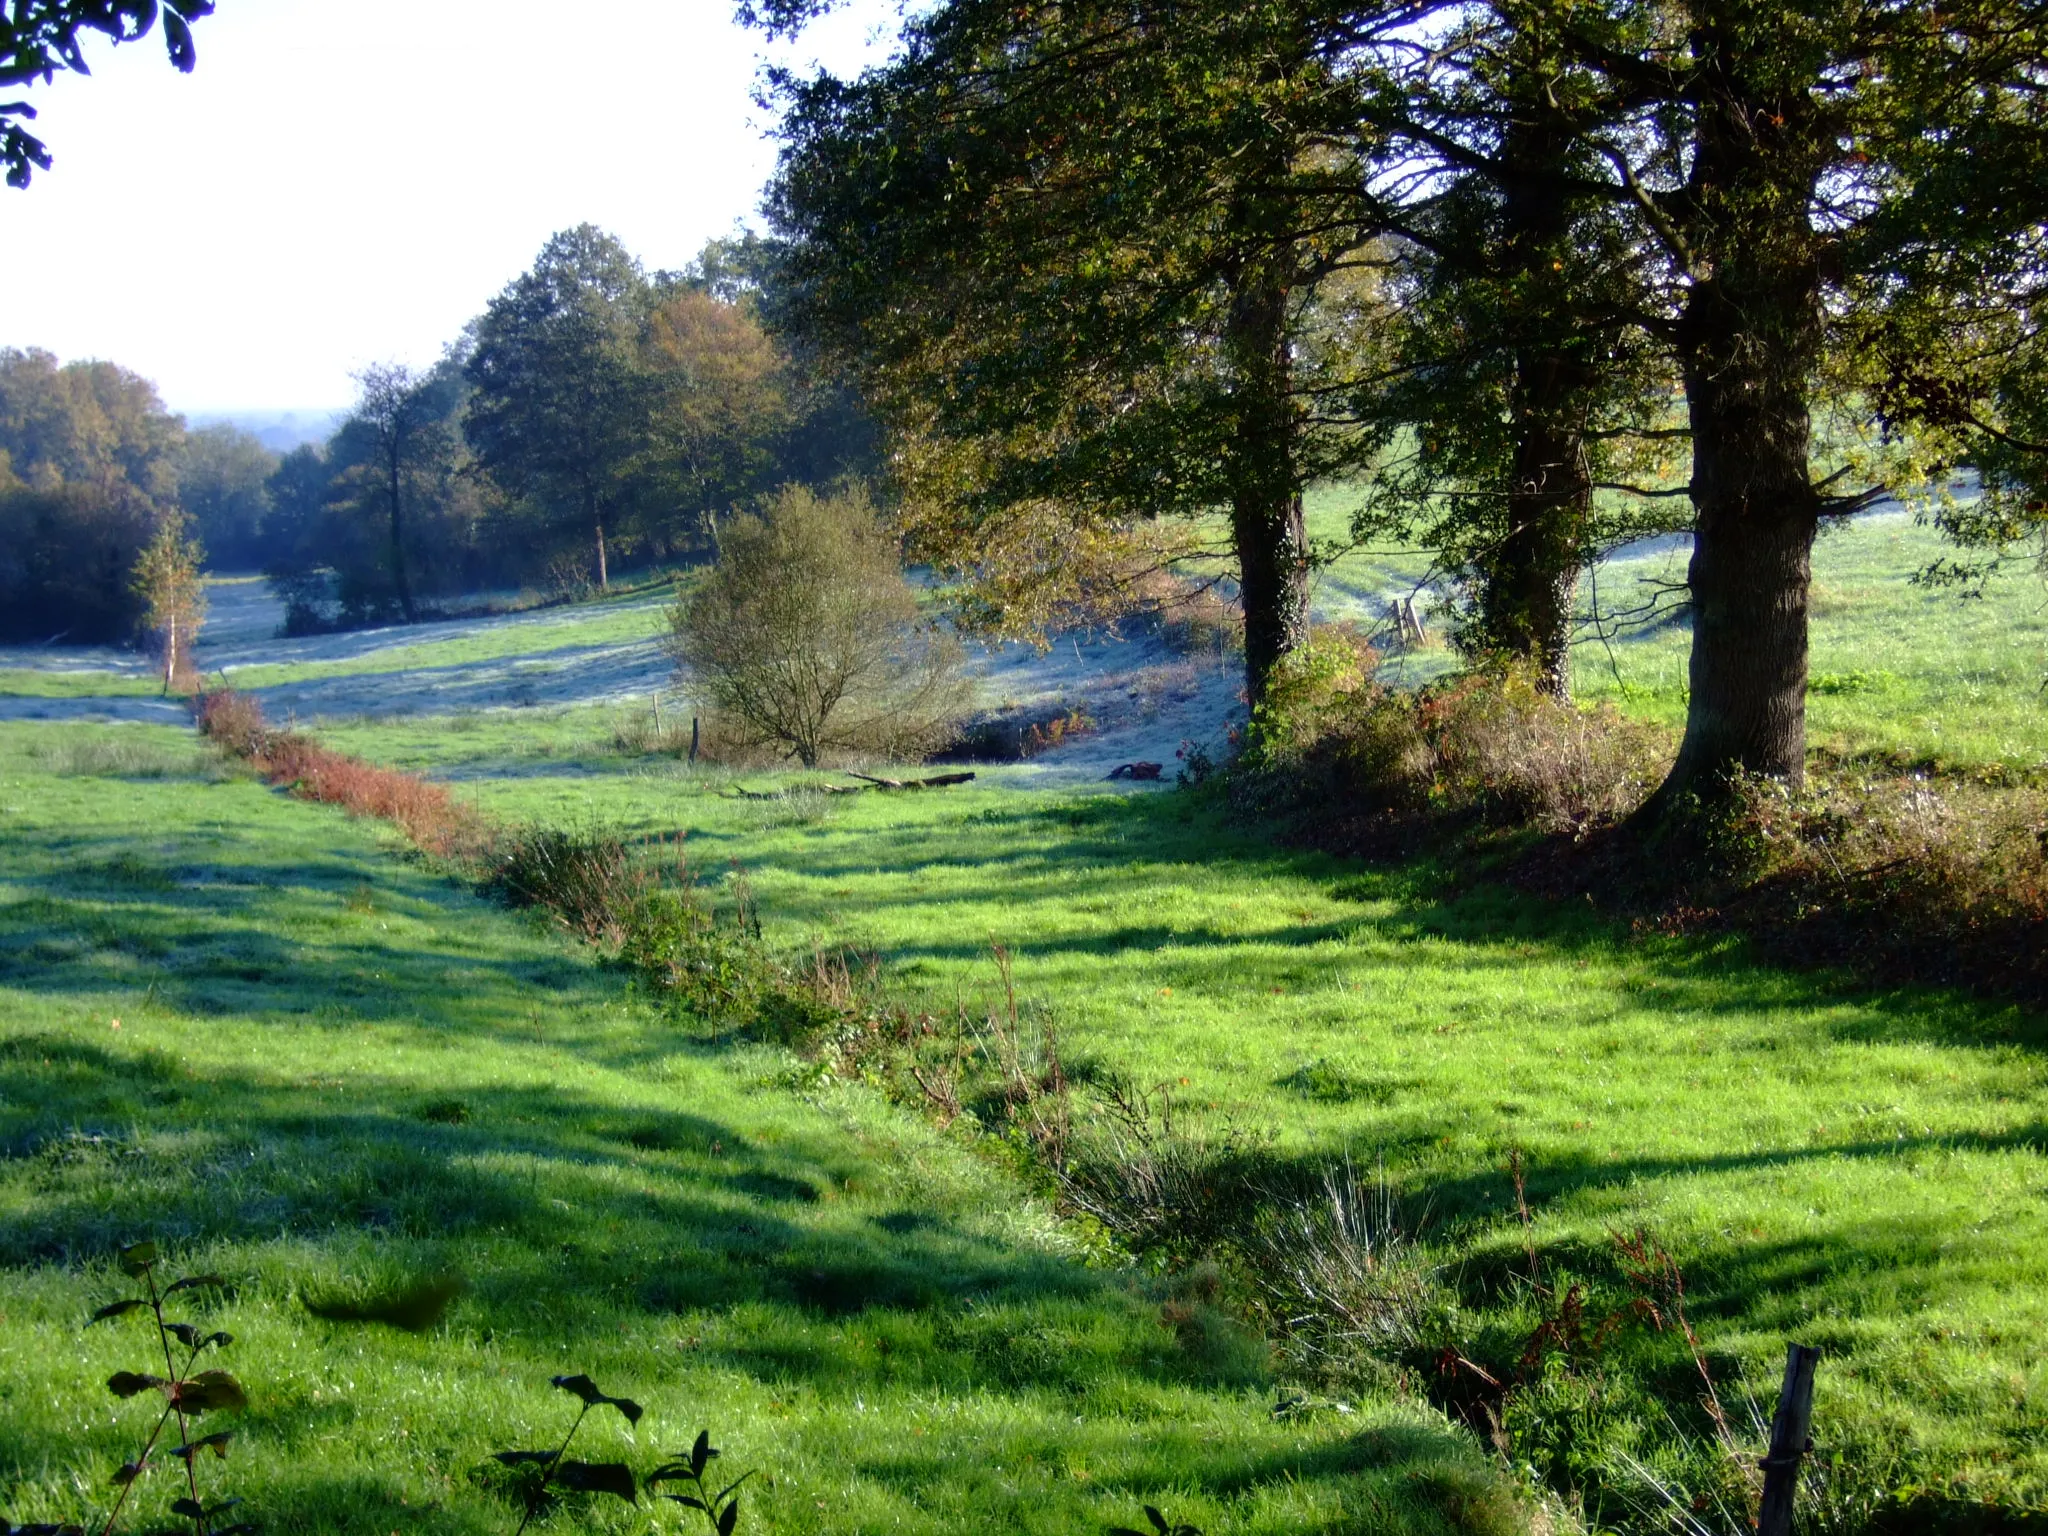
(77, 683)
(1898, 672)
(606, 622)
(334, 1070)
(1854, 1168)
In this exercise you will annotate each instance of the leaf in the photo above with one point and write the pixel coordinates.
(136, 1258)
(588, 1390)
(1159, 1521)
(206, 1391)
(128, 1383)
(194, 1282)
(42, 1530)
(178, 40)
(128, 1471)
(701, 1453)
(688, 1501)
(729, 1518)
(414, 1306)
(192, 1509)
(192, 1338)
(217, 1442)
(114, 1309)
(522, 1458)
(613, 1477)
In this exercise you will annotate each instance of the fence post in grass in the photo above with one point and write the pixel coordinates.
(1790, 1441)
(693, 738)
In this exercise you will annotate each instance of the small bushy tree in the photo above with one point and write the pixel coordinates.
(806, 637)
(166, 579)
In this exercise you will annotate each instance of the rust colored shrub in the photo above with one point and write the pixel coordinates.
(429, 815)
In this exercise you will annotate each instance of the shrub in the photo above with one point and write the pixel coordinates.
(426, 812)
(807, 638)
(1488, 744)
(586, 880)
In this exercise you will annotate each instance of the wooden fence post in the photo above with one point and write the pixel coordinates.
(693, 738)
(1790, 1441)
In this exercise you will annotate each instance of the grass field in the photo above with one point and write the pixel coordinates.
(255, 1031)
(1859, 1169)
(335, 1069)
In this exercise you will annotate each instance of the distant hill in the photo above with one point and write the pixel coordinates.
(279, 431)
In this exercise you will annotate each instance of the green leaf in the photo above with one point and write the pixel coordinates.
(136, 1258)
(588, 1390)
(114, 1309)
(178, 40)
(217, 1442)
(128, 1383)
(207, 1391)
(194, 1282)
(414, 1307)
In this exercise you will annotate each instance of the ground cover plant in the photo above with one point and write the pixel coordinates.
(256, 1030)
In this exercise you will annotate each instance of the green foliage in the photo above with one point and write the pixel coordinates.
(223, 484)
(166, 582)
(806, 637)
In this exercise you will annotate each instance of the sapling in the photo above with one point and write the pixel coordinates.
(613, 1477)
(721, 1510)
(186, 1393)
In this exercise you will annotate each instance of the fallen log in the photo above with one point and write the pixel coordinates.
(936, 781)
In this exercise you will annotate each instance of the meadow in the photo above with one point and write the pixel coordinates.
(257, 1032)
(337, 1068)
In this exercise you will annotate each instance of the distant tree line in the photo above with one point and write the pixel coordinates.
(585, 423)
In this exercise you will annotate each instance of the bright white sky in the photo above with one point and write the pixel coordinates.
(342, 184)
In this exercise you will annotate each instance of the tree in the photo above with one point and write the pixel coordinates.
(395, 418)
(1521, 379)
(166, 580)
(559, 411)
(40, 37)
(718, 400)
(66, 553)
(87, 423)
(1114, 263)
(805, 637)
(1773, 141)
(223, 484)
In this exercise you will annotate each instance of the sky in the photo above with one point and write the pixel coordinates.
(342, 184)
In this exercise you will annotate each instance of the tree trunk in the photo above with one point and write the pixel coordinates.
(1265, 503)
(170, 654)
(604, 582)
(399, 576)
(1749, 340)
(1527, 591)
(1528, 584)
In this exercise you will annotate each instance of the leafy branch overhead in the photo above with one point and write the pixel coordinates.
(40, 38)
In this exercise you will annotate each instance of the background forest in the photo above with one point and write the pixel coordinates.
(582, 426)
